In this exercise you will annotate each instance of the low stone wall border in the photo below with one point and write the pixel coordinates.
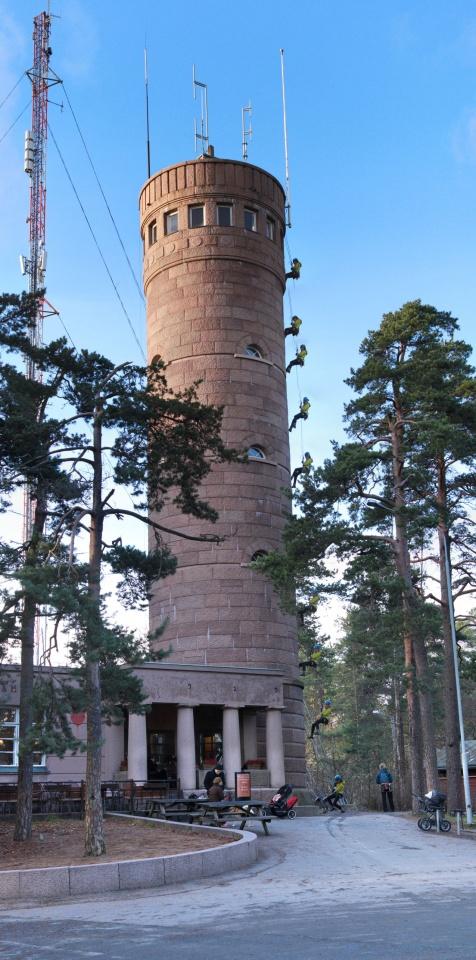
(51, 883)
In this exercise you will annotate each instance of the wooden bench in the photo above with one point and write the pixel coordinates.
(187, 815)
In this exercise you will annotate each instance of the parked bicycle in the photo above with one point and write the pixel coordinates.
(432, 805)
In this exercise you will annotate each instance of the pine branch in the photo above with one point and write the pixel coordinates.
(203, 537)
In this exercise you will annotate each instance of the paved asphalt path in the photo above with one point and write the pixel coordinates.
(366, 887)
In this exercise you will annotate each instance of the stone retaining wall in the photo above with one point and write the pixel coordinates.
(51, 883)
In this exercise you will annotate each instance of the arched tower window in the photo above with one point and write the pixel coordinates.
(256, 453)
(251, 350)
(259, 553)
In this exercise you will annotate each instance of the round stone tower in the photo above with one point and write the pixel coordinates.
(214, 281)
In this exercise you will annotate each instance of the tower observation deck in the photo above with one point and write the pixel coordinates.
(214, 280)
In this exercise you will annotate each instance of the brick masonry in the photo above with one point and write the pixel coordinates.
(211, 292)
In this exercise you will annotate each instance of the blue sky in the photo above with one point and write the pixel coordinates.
(382, 142)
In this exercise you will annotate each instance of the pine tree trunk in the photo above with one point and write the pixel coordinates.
(399, 756)
(24, 808)
(422, 688)
(94, 834)
(23, 819)
(94, 837)
(424, 732)
(426, 714)
(414, 726)
(452, 735)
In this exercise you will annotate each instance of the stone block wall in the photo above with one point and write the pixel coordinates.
(213, 292)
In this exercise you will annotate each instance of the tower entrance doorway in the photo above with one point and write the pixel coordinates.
(209, 734)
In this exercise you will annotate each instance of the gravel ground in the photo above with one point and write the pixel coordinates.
(60, 843)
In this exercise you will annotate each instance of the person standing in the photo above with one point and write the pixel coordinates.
(384, 779)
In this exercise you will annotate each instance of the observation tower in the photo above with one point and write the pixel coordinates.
(214, 279)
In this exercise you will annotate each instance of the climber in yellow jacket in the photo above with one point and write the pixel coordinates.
(294, 327)
(303, 414)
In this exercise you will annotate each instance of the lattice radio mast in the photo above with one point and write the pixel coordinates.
(34, 266)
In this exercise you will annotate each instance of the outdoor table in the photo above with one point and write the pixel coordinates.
(221, 810)
(167, 807)
(218, 811)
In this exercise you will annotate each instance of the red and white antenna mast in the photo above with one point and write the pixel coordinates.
(42, 78)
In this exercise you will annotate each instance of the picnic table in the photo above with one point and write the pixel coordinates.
(216, 812)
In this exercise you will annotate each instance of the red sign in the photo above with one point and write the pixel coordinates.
(78, 719)
(243, 785)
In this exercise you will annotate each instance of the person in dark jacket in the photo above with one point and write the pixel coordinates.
(212, 774)
(384, 779)
(216, 791)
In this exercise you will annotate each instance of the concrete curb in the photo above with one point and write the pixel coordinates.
(51, 883)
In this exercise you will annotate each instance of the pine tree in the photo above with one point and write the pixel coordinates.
(28, 433)
(443, 450)
(159, 445)
(412, 416)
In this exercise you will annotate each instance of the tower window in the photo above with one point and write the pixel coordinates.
(224, 214)
(259, 553)
(270, 228)
(251, 350)
(152, 232)
(196, 216)
(250, 219)
(256, 453)
(171, 222)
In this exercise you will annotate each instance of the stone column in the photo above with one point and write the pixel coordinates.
(250, 738)
(231, 744)
(113, 750)
(186, 765)
(274, 747)
(137, 747)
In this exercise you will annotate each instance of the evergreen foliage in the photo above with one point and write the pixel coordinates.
(80, 434)
(385, 501)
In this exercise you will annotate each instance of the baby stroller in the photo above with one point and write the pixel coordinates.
(283, 803)
(432, 802)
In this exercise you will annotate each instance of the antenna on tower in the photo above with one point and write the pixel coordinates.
(34, 266)
(42, 78)
(146, 79)
(246, 132)
(203, 134)
(287, 207)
